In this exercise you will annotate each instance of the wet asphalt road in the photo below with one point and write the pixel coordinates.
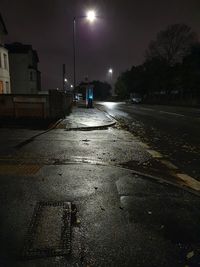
(172, 131)
(125, 218)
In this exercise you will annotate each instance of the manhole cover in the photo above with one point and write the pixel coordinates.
(49, 233)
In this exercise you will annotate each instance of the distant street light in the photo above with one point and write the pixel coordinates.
(110, 71)
(91, 16)
(65, 84)
(71, 86)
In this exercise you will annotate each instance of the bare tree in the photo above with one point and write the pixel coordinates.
(172, 44)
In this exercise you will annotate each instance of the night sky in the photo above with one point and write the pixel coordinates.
(118, 39)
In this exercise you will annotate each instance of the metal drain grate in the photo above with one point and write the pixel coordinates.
(49, 232)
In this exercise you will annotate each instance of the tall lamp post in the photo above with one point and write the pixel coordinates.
(110, 73)
(90, 16)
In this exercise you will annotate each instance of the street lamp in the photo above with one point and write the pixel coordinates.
(110, 72)
(90, 16)
(65, 81)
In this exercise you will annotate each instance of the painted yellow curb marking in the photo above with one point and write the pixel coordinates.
(191, 182)
(154, 154)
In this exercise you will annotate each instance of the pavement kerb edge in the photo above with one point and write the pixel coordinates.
(55, 125)
(49, 129)
(87, 128)
(161, 180)
(108, 115)
(35, 136)
(97, 127)
(151, 177)
(157, 179)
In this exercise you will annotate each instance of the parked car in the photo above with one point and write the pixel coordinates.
(136, 100)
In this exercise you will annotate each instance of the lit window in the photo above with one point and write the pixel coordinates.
(1, 87)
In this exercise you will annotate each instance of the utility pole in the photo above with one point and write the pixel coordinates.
(63, 78)
(74, 50)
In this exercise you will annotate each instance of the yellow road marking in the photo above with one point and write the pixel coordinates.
(154, 154)
(188, 180)
(169, 164)
(191, 182)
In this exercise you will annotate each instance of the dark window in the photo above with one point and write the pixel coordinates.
(7, 87)
(5, 61)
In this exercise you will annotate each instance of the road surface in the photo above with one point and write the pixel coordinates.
(174, 132)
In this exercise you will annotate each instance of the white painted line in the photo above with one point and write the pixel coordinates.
(189, 181)
(154, 153)
(147, 109)
(172, 113)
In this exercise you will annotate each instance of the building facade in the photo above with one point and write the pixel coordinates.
(25, 76)
(4, 61)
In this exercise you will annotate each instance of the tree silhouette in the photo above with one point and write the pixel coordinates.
(172, 44)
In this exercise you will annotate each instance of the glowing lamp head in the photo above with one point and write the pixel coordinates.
(91, 16)
(65, 80)
(110, 71)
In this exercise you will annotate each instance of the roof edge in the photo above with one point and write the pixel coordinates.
(3, 24)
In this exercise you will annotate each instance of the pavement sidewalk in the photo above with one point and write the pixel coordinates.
(84, 118)
(116, 216)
